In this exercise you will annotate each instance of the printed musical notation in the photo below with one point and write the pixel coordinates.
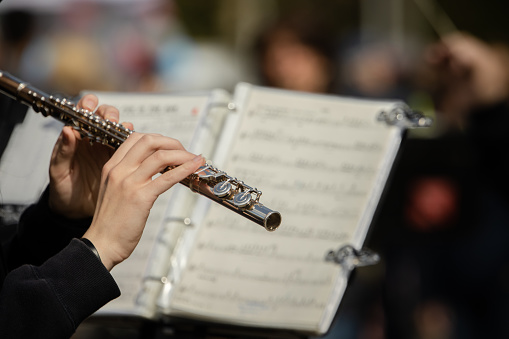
(172, 116)
(304, 141)
(276, 303)
(293, 277)
(318, 114)
(316, 160)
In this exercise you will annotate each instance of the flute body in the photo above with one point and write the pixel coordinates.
(207, 181)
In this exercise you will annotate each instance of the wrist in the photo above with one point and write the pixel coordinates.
(91, 246)
(103, 250)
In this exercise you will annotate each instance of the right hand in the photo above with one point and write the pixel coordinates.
(468, 74)
(128, 191)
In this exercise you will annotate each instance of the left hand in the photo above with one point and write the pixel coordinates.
(76, 165)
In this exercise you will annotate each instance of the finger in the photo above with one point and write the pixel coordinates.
(122, 151)
(146, 146)
(159, 161)
(88, 102)
(128, 125)
(108, 112)
(166, 180)
(437, 54)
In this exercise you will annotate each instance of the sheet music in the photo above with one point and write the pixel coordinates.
(176, 116)
(319, 161)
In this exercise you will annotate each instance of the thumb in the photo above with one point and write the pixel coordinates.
(63, 152)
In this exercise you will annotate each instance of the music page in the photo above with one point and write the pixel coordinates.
(321, 161)
(176, 116)
(25, 162)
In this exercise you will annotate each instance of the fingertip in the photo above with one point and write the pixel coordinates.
(199, 159)
(70, 135)
(128, 125)
(108, 112)
(195, 163)
(88, 102)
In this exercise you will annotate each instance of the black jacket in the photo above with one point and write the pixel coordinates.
(49, 281)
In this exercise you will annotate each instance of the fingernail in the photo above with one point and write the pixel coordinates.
(128, 125)
(198, 158)
(88, 104)
(108, 115)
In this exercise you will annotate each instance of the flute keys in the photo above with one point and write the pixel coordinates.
(242, 199)
(205, 173)
(222, 189)
(208, 172)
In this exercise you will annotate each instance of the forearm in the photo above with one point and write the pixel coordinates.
(41, 234)
(56, 297)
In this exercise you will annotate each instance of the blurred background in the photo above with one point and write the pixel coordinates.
(443, 227)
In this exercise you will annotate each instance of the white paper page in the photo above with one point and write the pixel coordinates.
(25, 162)
(316, 159)
(176, 116)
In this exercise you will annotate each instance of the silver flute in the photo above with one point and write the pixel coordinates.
(207, 181)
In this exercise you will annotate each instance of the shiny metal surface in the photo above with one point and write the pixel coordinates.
(207, 181)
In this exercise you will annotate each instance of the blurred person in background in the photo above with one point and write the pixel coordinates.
(373, 69)
(60, 50)
(69, 55)
(298, 52)
(444, 226)
(464, 75)
(186, 61)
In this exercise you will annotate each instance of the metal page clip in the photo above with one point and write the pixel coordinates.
(350, 258)
(403, 116)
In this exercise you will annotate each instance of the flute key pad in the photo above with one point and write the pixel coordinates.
(242, 199)
(222, 189)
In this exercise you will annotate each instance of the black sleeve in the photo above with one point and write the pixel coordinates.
(488, 131)
(40, 234)
(51, 300)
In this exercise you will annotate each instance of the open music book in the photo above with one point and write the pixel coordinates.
(322, 161)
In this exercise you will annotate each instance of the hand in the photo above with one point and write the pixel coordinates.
(482, 64)
(128, 191)
(469, 74)
(75, 167)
